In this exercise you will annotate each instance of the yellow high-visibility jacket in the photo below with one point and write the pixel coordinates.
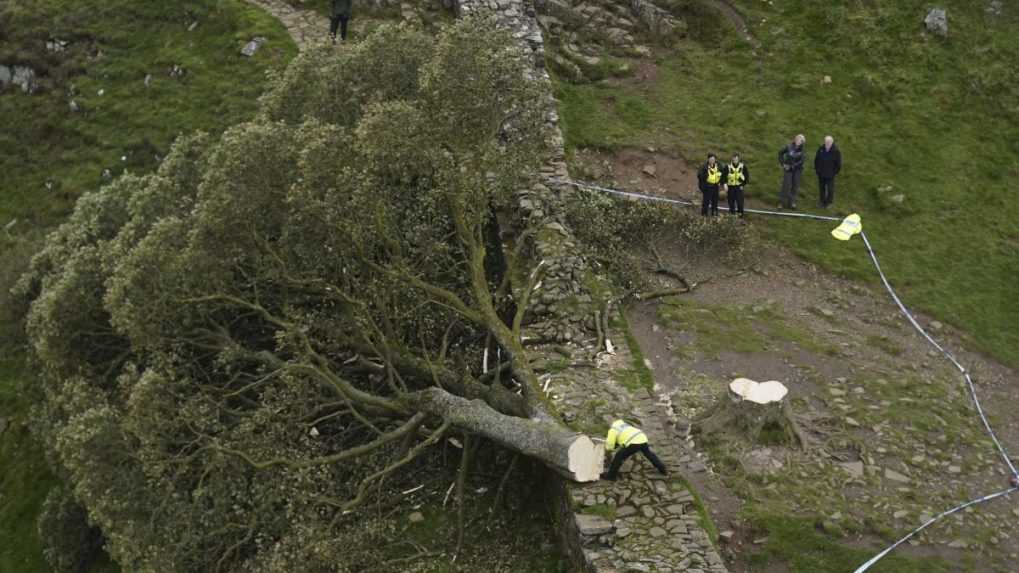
(623, 434)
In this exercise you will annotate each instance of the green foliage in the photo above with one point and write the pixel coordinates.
(71, 542)
(622, 235)
(934, 118)
(191, 321)
(25, 478)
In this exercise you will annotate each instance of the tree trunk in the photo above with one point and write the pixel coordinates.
(745, 419)
(573, 455)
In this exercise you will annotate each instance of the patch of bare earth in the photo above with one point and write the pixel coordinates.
(895, 437)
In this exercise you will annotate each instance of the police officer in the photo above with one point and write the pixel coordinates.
(736, 176)
(709, 178)
(631, 440)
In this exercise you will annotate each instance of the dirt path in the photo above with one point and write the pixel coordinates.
(307, 27)
(887, 405)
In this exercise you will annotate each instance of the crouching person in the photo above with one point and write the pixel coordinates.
(630, 439)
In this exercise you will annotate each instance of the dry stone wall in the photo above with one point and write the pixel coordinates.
(645, 522)
(563, 309)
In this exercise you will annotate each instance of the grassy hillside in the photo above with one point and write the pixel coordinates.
(112, 45)
(50, 155)
(935, 119)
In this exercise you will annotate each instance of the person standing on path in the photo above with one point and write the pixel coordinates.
(736, 176)
(709, 177)
(338, 18)
(790, 158)
(631, 440)
(827, 164)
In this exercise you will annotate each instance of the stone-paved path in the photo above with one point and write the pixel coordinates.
(644, 521)
(307, 27)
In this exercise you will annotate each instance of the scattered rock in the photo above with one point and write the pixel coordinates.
(898, 198)
(895, 476)
(954, 470)
(56, 46)
(854, 469)
(936, 326)
(73, 106)
(592, 525)
(995, 8)
(726, 536)
(649, 170)
(21, 76)
(852, 422)
(626, 511)
(826, 80)
(900, 514)
(416, 517)
(251, 47)
(148, 80)
(958, 544)
(937, 21)
(697, 467)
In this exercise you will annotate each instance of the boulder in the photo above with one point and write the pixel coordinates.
(251, 47)
(937, 21)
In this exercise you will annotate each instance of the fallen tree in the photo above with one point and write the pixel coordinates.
(237, 348)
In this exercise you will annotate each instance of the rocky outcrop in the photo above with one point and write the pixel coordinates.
(23, 77)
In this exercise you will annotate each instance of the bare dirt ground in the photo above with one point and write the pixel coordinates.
(896, 438)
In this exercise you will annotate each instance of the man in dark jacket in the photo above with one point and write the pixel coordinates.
(827, 164)
(736, 176)
(709, 178)
(790, 158)
(338, 18)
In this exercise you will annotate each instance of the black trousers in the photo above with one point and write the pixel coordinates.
(710, 200)
(338, 22)
(623, 454)
(735, 199)
(826, 187)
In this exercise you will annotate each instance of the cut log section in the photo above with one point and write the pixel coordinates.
(573, 455)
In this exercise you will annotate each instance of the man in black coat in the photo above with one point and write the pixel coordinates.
(827, 164)
(709, 178)
(790, 159)
(338, 18)
(735, 176)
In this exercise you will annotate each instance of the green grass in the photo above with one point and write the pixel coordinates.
(935, 119)
(639, 377)
(125, 128)
(798, 543)
(25, 479)
(720, 328)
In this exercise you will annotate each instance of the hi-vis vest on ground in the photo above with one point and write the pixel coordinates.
(714, 174)
(736, 177)
(624, 435)
(850, 226)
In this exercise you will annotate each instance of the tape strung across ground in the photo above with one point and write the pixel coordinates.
(905, 311)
